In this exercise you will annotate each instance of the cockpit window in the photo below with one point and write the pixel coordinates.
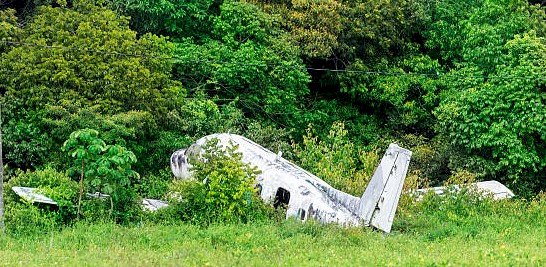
(281, 198)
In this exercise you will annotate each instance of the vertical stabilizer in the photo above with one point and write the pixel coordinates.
(380, 200)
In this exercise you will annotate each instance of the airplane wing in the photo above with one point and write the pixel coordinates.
(30, 194)
(486, 188)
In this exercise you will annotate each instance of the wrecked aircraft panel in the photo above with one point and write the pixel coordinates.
(383, 192)
(153, 204)
(487, 188)
(30, 194)
(307, 196)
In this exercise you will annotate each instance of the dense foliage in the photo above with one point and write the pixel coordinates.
(330, 83)
(24, 218)
(220, 190)
(457, 231)
(103, 168)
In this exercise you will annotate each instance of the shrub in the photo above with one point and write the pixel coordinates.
(106, 169)
(222, 189)
(23, 217)
(269, 136)
(336, 159)
(154, 186)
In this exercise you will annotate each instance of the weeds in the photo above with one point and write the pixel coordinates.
(454, 230)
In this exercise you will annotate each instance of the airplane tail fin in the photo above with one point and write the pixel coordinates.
(380, 199)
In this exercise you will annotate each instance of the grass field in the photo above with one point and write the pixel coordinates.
(447, 232)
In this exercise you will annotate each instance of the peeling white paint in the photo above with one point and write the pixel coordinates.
(306, 195)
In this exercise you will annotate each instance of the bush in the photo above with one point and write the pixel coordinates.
(222, 190)
(269, 136)
(154, 186)
(106, 169)
(336, 159)
(23, 217)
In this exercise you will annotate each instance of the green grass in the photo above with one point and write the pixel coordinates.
(439, 232)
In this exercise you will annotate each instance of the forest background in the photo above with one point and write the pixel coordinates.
(330, 83)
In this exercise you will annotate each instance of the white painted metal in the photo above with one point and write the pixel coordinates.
(30, 194)
(310, 196)
(380, 200)
(487, 188)
(305, 195)
(153, 204)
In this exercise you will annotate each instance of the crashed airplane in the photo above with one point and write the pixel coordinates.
(305, 195)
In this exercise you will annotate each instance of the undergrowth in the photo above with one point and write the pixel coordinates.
(458, 229)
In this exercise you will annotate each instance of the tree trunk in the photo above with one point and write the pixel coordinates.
(2, 226)
(81, 191)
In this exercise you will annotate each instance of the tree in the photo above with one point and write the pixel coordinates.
(179, 19)
(107, 168)
(342, 31)
(493, 114)
(315, 26)
(2, 226)
(90, 56)
(373, 46)
(404, 92)
(8, 30)
(85, 147)
(89, 59)
(249, 59)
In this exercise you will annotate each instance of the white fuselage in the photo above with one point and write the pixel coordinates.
(284, 183)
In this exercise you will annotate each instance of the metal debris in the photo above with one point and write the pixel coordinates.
(153, 204)
(486, 188)
(30, 194)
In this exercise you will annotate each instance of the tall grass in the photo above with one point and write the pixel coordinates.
(454, 230)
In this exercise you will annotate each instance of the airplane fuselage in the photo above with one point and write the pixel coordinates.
(283, 183)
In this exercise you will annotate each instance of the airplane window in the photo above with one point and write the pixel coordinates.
(311, 211)
(301, 214)
(258, 189)
(281, 198)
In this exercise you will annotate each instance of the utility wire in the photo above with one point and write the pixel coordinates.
(246, 103)
(180, 59)
(197, 61)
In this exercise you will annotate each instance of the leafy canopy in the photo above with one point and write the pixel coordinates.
(106, 168)
(493, 112)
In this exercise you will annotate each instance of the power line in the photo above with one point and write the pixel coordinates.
(262, 64)
(180, 59)
(175, 59)
(246, 103)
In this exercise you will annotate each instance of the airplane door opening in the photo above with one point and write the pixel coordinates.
(281, 198)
